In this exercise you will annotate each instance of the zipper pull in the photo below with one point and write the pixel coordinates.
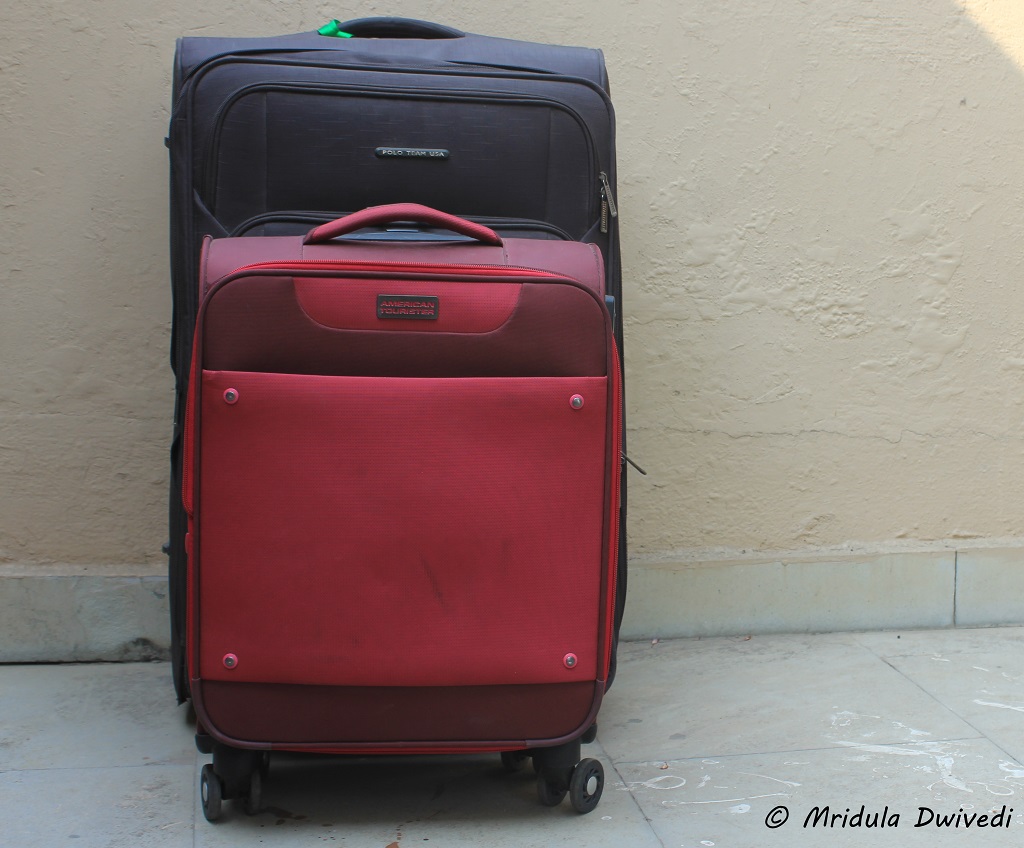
(608, 206)
(626, 459)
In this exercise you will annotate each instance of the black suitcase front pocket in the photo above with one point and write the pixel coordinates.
(279, 147)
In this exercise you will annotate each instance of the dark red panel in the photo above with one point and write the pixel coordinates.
(256, 324)
(331, 718)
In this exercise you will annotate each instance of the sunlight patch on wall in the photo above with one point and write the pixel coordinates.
(1002, 21)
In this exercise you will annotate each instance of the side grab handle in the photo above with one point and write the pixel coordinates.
(378, 215)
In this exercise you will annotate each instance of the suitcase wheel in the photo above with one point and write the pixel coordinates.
(552, 785)
(586, 785)
(233, 774)
(513, 761)
(583, 784)
(254, 799)
(211, 792)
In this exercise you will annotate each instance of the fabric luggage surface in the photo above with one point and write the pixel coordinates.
(272, 136)
(401, 474)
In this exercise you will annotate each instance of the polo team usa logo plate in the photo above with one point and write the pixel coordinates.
(411, 153)
(407, 307)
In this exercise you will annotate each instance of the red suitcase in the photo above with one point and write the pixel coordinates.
(401, 476)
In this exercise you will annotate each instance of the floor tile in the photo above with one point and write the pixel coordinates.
(86, 716)
(895, 643)
(718, 697)
(980, 677)
(731, 801)
(97, 808)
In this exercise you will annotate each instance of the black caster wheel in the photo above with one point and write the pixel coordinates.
(550, 790)
(254, 798)
(513, 761)
(211, 793)
(586, 785)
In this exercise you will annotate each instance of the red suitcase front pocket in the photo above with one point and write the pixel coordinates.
(364, 531)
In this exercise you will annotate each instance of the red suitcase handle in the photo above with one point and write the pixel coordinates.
(377, 215)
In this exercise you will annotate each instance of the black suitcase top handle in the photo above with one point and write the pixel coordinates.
(388, 28)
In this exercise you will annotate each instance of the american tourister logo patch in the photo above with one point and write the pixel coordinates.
(408, 307)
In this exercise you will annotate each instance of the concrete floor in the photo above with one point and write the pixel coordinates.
(703, 741)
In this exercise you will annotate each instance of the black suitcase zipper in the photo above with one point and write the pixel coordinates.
(451, 68)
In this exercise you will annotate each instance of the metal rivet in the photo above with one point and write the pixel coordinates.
(570, 660)
(230, 660)
(576, 401)
(231, 396)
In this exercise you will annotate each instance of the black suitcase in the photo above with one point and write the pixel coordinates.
(270, 136)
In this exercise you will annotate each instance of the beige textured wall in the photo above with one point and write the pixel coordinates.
(826, 209)
(822, 221)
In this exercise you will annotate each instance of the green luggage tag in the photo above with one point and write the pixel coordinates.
(334, 30)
